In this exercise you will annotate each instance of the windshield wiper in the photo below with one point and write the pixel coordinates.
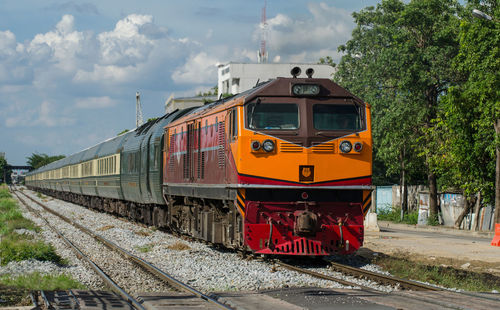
(251, 124)
(322, 133)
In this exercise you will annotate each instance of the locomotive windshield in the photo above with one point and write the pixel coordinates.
(273, 116)
(336, 117)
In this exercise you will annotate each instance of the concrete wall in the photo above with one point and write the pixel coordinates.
(451, 206)
(383, 198)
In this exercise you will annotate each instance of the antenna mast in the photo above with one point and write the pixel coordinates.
(138, 110)
(262, 54)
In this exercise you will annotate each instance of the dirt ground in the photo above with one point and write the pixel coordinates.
(460, 250)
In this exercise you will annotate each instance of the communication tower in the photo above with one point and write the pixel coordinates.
(262, 53)
(138, 110)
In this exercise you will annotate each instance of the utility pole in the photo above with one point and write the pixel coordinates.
(138, 110)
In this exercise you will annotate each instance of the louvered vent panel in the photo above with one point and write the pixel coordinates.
(222, 145)
(328, 147)
(202, 165)
(171, 153)
(186, 167)
(291, 147)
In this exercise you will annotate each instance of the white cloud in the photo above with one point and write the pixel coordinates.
(8, 44)
(45, 115)
(107, 74)
(95, 102)
(129, 42)
(309, 38)
(198, 69)
(60, 46)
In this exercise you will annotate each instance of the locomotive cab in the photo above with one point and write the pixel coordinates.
(305, 169)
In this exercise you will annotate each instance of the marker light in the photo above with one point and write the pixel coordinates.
(345, 146)
(255, 145)
(268, 146)
(305, 89)
(358, 146)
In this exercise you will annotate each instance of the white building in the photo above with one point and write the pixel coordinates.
(172, 103)
(234, 78)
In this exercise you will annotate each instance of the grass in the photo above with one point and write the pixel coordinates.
(38, 281)
(145, 248)
(394, 215)
(4, 191)
(18, 247)
(179, 246)
(143, 233)
(107, 227)
(403, 267)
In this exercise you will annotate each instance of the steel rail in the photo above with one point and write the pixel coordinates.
(139, 261)
(357, 272)
(107, 280)
(34, 300)
(382, 278)
(46, 300)
(322, 276)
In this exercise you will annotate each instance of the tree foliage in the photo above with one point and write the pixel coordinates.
(211, 92)
(399, 61)
(3, 167)
(471, 109)
(37, 160)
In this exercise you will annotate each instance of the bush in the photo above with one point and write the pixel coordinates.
(394, 215)
(4, 192)
(7, 204)
(37, 281)
(17, 248)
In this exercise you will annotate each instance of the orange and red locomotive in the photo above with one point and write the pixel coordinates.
(283, 168)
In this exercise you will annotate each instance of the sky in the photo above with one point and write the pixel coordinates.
(69, 70)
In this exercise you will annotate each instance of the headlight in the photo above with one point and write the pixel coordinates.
(358, 146)
(345, 146)
(255, 145)
(268, 146)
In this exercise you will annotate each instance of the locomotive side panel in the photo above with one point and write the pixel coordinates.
(196, 157)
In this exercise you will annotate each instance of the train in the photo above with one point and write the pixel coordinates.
(284, 168)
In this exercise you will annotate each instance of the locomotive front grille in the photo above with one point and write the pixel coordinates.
(328, 147)
(291, 147)
(301, 246)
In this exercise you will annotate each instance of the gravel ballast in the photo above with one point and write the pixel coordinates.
(199, 265)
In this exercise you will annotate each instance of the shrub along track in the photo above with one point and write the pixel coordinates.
(157, 273)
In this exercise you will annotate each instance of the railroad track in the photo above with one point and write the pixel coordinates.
(382, 278)
(159, 274)
(361, 273)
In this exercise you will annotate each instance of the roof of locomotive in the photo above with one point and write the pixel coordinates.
(279, 87)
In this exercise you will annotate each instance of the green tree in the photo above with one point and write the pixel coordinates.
(37, 160)
(4, 171)
(399, 60)
(211, 92)
(471, 114)
(328, 60)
